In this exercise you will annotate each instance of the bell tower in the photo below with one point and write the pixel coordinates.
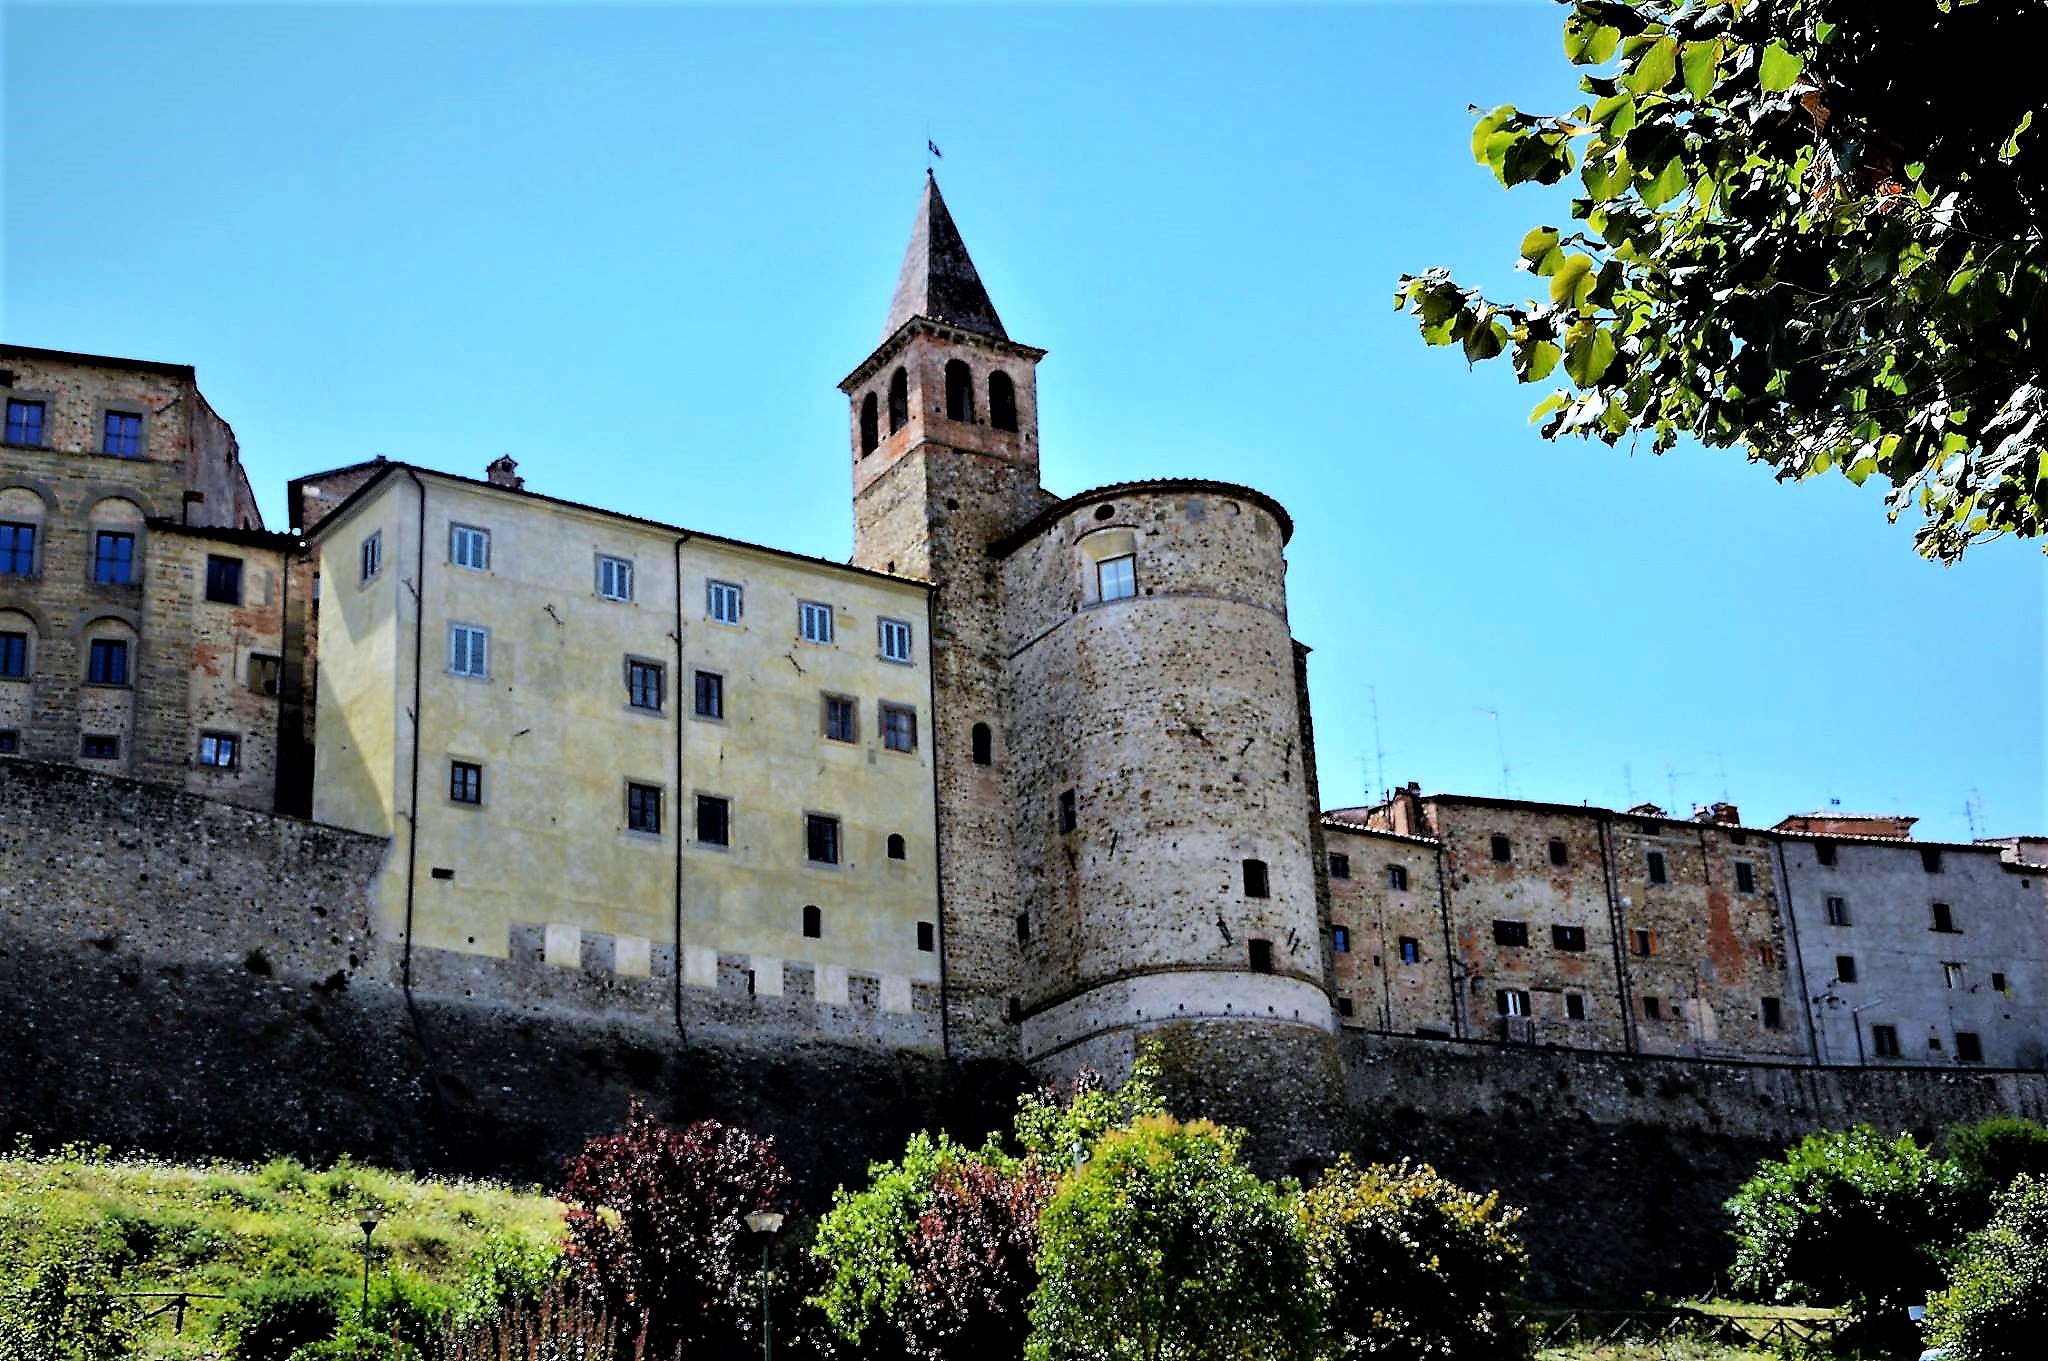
(944, 424)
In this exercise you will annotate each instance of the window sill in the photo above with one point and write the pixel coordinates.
(108, 685)
(831, 865)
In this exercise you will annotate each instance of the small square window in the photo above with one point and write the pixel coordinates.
(469, 650)
(13, 656)
(121, 434)
(1344, 1006)
(107, 662)
(1510, 933)
(1969, 1048)
(643, 808)
(371, 555)
(100, 747)
(1117, 578)
(1845, 968)
(1646, 943)
(25, 422)
(1944, 918)
(646, 683)
(722, 601)
(1340, 865)
(469, 547)
(465, 782)
(265, 673)
(1930, 859)
(219, 750)
(1658, 874)
(223, 580)
(113, 558)
(17, 549)
(1559, 853)
(899, 727)
(1824, 852)
(1340, 939)
(1838, 911)
(1411, 950)
(1951, 974)
(1500, 848)
(1575, 1006)
(1256, 884)
(1261, 955)
(896, 847)
(1653, 1009)
(1511, 1002)
(1397, 876)
(1884, 1041)
(1070, 816)
(927, 937)
(821, 839)
(10, 741)
(708, 691)
(614, 578)
(714, 821)
(840, 719)
(814, 922)
(1571, 939)
(814, 621)
(894, 636)
(1998, 982)
(1773, 1014)
(1745, 877)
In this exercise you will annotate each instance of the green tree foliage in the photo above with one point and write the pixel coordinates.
(1807, 228)
(1053, 1125)
(1996, 1305)
(974, 1263)
(59, 1311)
(1988, 1155)
(1848, 1218)
(1413, 1266)
(657, 1229)
(1164, 1247)
(272, 1317)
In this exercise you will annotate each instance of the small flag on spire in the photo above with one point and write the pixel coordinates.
(933, 148)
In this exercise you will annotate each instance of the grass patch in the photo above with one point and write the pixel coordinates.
(221, 1229)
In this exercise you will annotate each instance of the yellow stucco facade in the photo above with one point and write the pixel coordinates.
(564, 740)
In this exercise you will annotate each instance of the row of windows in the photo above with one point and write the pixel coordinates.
(1410, 947)
(107, 663)
(1930, 856)
(1002, 403)
(113, 561)
(1954, 974)
(724, 601)
(120, 431)
(1340, 868)
(222, 751)
(1515, 1002)
(1571, 939)
(1941, 917)
(1884, 1044)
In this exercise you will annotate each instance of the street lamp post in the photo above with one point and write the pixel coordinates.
(767, 1223)
(367, 1222)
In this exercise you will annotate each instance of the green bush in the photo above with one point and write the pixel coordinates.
(1996, 1305)
(507, 1270)
(1990, 1154)
(1413, 1266)
(60, 1312)
(410, 1305)
(1849, 1218)
(271, 1318)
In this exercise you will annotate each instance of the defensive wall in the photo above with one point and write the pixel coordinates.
(199, 980)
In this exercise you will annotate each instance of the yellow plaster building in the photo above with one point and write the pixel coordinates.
(639, 752)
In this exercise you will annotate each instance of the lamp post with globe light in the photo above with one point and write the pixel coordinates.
(767, 1223)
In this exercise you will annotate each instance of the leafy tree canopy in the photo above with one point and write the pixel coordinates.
(1811, 229)
(1996, 1304)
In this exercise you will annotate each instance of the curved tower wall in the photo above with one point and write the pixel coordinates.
(1173, 717)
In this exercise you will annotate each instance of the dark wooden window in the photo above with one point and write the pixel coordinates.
(10, 741)
(899, 727)
(107, 662)
(465, 782)
(100, 747)
(1884, 1041)
(1340, 865)
(714, 820)
(1575, 1006)
(646, 683)
(265, 673)
(1653, 1009)
(821, 839)
(959, 391)
(1510, 933)
(1646, 943)
(840, 722)
(17, 549)
(709, 688)
(643, 807)
(1838, 911)
(1745, 877)
(1569, 938)
(1261, 952)
(1397, 876)
(1944, 917)
(1658, 874)
(223, 579)
(1002, 401)
(1344, 1006)
(1256, 884)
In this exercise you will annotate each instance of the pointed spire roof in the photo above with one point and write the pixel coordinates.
(938, 279)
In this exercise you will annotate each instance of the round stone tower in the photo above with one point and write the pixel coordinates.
(1162, 801)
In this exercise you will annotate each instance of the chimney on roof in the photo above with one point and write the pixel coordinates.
(503, 472)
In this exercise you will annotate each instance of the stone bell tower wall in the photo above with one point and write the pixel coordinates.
(1171, 718)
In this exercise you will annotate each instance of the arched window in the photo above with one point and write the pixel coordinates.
(814, 922)
(870, 426)
(895, 845)
(959, 391)
(899, 400)
(984, 744)
(1002, 401)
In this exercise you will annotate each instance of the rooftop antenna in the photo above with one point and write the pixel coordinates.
(1671, 786)
(1379, 752)
(1721, 769)
(1501, 743)
(1973, 809)
(1628, 783)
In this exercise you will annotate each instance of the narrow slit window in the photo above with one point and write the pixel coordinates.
(959, 391)
(897, 847)
(1002, 401)
(814, 922)
(1069, 811)
(1658, 874)
(899, 400)
(983, 743)
(870, 425)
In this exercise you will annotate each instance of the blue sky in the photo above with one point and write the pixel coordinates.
(637, 247)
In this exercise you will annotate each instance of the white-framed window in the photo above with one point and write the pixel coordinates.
(469, 546)
(1117, 578)
(722, 601)
(614, 578)
(814, 621)
(372, 554)
(895, 640)
(218, 749)
(469, 650)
